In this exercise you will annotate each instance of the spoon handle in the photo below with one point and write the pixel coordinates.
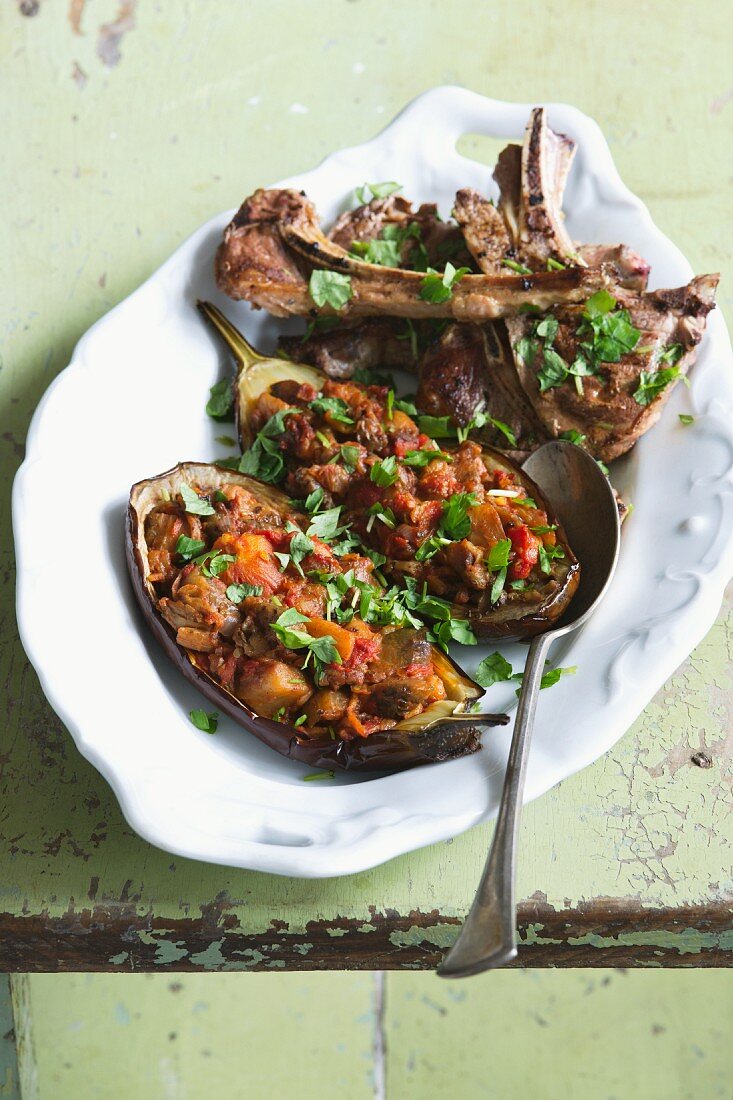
(488, 936)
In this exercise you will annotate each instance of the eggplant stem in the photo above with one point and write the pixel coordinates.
(242, 351)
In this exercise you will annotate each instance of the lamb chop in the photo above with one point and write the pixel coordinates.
(342, 348)
(562, 362)
(468, 370)
(603, 373)
(416, 239)
(275, 240)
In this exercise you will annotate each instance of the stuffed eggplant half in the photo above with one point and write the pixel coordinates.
(282, 621)
(453, 522)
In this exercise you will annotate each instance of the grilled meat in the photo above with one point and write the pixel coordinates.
(427, 238)
(369, 344)
(253, 264)
(469, 368)
(604, 408)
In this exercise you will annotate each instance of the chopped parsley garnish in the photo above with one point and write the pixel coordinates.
(187, 548)
(369, 191)
(437, 427)
(685, 418)
(369, 377)
(386, 249)
(384, 473)
(238, 592)
(423, 458)
(320, 651)
(335, 408)
(498, 556)
(376, 251)
(438, 286)
(430, 547)
(301, 720)
(547, 555)
(520, 269)
(221, 400)
(385, 515)
(495, 669)
(325, 525)
(323, 323)
(300, 547)
(573, 436)
(554, 265)
(406, 405)
(330, 288)
(314, 501)
(214, 562)
(505, 430)
(264, 458)
(205, 721)
(498, 585)
(455, 522)
(194, 504)
(226, 440)
(652, 383)
(606, 334)
(319, 775)
(672, 354)
(349, 456)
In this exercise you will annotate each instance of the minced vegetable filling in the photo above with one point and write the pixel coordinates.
(288, 617)
(452, 521)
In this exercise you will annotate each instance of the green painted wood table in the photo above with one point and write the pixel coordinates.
(131, 124)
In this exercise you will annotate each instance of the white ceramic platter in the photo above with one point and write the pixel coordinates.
(131, 404)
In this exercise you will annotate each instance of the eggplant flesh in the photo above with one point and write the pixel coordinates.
(522, 614)
(420, 739)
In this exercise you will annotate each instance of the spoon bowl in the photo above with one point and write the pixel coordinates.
(583, 501)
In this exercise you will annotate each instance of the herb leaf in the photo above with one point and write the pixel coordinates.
(221, 400)
(494, 669)
(455, 522)
(384, 473)
(438, 286)
(335, 408)
(194, 504)
(207, 722)
(238, 592)
(330, 288)
(498, 556)
(369, 191)
(652, 383)
(188, 548)
(520, 269)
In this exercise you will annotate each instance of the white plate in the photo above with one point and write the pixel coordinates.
(131, 404)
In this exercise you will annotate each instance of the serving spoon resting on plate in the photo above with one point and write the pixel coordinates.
(582, 498)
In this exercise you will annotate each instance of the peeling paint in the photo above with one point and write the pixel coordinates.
(111, 34)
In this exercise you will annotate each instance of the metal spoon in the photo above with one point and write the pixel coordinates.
(583, 501)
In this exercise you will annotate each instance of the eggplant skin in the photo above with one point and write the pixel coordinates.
(386, 750)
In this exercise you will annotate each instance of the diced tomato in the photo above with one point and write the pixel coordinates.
(503, 480)
(525, 546)
(401, 447)
(227, 671)
(366, 648)
(279, 538)
(255, 562)
(422, 670)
